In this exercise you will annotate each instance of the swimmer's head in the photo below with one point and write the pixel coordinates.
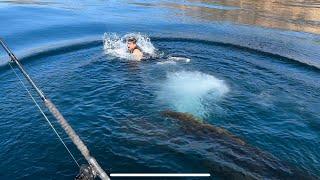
(131, 43)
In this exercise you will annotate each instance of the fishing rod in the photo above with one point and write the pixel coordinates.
(94, 167)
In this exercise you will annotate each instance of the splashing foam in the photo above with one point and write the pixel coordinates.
(184, 59)
(174, 60)
(116, 46)
(191, 92)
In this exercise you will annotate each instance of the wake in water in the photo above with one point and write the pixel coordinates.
(190, 91)
(116, 45)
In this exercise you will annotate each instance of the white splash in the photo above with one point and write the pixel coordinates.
(116, 46)
(166, 62)
(174, 60)
(190, 92)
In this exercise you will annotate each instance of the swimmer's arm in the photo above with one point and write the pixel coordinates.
(137, 54)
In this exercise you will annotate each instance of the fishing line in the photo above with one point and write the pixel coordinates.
(89, 171)
(37, 105)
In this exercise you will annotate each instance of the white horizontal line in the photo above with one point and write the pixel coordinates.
(160, 174)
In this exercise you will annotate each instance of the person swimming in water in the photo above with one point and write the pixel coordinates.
(134, 49)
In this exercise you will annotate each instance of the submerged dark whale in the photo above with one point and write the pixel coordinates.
(234, 158)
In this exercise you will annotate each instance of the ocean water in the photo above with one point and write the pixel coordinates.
(251, 68)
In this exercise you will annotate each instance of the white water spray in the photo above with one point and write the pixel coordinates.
(190, 92)
(174, 60)
(116, 46)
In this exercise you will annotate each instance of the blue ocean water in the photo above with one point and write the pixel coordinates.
(259, 80)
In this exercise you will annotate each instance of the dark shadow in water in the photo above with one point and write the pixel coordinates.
(247, 162)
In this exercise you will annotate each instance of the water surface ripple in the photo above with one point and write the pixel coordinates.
(249, 67)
